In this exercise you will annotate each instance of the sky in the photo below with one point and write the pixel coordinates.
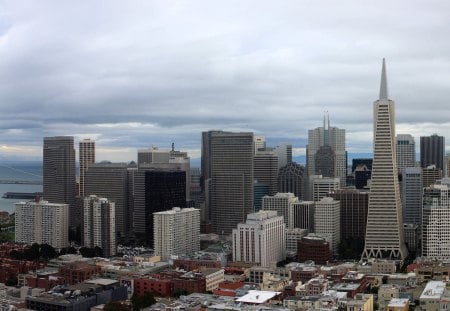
(134, 74)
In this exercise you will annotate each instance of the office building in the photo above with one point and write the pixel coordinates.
(412, 195)
(265, 169)
(42, 222)
(284, 154)
(436, 221)
(362, 176)
(406, 151)
(430, 175)
(291, 178)
(279, 203)
(260, 190)
(176, 232)
(322, 186)
(260, 240)
(315, 248)
(354, 204)
(384, 233)
(362, 161)
(227, 159)
(325, 161)
(327, 136)
(59, 170)
(86, 157)
(260, 143)
(155, 190)
(327, 221)
(293, 236)
(100, 224)
(432, 150)
(110, 180)
(301, 215)
(411, 232)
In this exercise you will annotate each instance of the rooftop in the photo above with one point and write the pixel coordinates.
(398, 302)
(257, 296)
(433, 290)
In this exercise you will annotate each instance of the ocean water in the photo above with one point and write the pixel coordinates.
(18, 171)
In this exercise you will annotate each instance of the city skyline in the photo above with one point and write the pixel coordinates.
(132, 76)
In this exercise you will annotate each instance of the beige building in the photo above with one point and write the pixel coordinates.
(362, 302)
(398, 304)
(42, 222)
(213, 277)
(280, 203)
(327, 221)
(386, 293)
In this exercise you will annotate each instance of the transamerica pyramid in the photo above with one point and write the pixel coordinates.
(384, 232)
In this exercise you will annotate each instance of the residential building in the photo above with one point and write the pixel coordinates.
(261, 239)
(176, 232)
(43, 223)
(100, 224)
(384, 233)
(327, 221)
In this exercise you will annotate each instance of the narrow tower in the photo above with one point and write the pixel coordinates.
(384, 233)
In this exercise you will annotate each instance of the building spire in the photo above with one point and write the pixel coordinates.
(383, 86)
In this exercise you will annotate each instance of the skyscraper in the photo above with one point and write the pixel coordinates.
(327, 136)
(406, 151)
(227, 159)
(412, 195)
(327, 221)
(384, 233)
(265, 169)
(59, 170)
(280, 203)
(432, 151)
(291, 178)
(87, 157)
(100, 224)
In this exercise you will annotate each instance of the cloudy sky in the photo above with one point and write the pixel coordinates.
(131, 74)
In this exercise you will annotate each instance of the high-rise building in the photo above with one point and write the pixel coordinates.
(436, 221)
(265, 169)
(42, 222)
(325, 161)
(327, 221)
(110, 180)
(412, 195)
(384, 233)
(155, 190)
(362, 176)
(284, 154)
(59, 170)
(432, 150)
(291, 178)
(322, 186)
(301, 215)
(354, 205)
(260, 143)
(327, 136)
(227, 159)
(280, 203)
(293, 236)
(406, 151)
(87, 157)
(99, 224)
(261, 239)
(176, 232)
(430, 175)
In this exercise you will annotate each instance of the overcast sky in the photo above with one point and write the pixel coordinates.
(131, 74)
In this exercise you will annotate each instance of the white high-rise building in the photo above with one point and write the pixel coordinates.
(100, 224)
(436, 221)
(42, 222)
(261, 239)
(384, 231)
(327, 136)
(327, 221)
(279, 202)
(322, 186)
(176, 232)
(260, 142)
(406, 151)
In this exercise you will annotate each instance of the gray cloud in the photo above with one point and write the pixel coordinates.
(152, 72)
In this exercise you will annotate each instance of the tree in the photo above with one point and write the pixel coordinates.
(116, 306)
(47, 252)
(142, 301)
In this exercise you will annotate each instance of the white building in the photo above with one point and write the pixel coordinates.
(327, 221)
(259, 142)
(176, 232)
(292, 237)
(322, 186)
(100, 224)
(42, 222)
(280, 203)
(261, 239)
(436, 221)
(406, 151)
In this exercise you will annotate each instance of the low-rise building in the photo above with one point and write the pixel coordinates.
(362, 302)
(398, 304)
(431, 296)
